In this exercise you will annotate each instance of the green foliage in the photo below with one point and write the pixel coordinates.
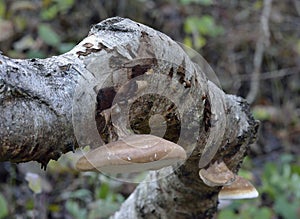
(2, 8)
(226, 213)
(75, 210)
(247, 212)
(258, 5)
(205, 25)
(65, 47)
(51, 38)
(53, 7)
(54, 208)
(3, 207)
(103, 191)
(81, 194)
(200, 2)
(103, 208)
(287, 209)
(46, 24)
(107, 202)
(298, 46)
(48, 35)
(30, 204)
(35, 54)
(281, 182)
(102, 200)
(198, 28)
(49, 13)
(261, 113)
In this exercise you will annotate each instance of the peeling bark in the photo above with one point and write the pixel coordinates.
(109, 86)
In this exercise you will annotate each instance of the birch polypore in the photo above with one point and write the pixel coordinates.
(239, 189)
(217, 174)
(134, 153)
(234, 186)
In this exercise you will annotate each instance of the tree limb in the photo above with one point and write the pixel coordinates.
(53, 105)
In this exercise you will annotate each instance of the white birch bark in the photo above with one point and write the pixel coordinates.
(53, 105)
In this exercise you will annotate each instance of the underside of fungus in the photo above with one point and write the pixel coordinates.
(239, 189)
(234, 186)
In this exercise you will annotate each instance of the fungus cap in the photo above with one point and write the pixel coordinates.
(135, 153)
(217, 174)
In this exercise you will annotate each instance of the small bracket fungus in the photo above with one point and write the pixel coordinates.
(134, 153)
(239, 189)
(217, 174)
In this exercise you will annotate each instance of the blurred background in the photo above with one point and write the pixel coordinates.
(254, 49)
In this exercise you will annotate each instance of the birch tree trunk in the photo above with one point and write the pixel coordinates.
(111, 85)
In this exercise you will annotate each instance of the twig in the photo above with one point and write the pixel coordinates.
(262, 43)
(297, 6)
(269, 75)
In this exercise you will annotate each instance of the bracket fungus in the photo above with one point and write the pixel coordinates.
(134, 153)
(234, 186)
(239, 189)
(217, 174)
